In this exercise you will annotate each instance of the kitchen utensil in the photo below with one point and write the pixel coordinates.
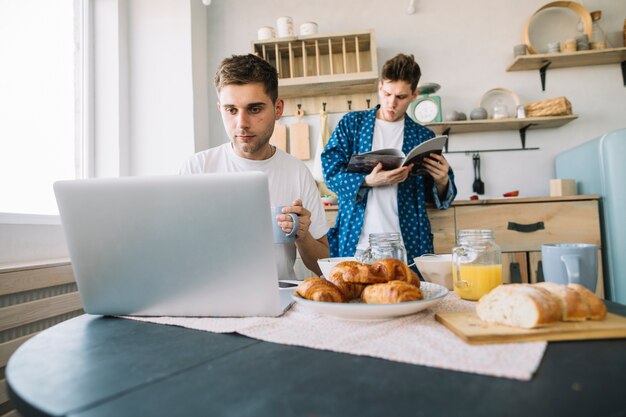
(478, 186)
(299, 138)
(279, 137)
(472, 330)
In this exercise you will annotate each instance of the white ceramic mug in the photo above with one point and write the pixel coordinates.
(284, 26)
(570, 263)
(308, 28)
(266, 32)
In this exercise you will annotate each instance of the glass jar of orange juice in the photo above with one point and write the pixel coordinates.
(476, 263)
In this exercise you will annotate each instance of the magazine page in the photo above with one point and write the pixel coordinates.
(423, 150)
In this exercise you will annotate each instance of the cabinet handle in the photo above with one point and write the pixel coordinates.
(540, 272)
(516, 274)
(526, 228)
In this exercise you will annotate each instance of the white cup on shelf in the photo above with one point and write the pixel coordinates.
(284, 25)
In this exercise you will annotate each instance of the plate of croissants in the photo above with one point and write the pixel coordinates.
(353, 290)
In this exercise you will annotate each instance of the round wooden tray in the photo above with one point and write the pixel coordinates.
(584, 14)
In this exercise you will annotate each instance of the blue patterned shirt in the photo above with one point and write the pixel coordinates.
(352, 135)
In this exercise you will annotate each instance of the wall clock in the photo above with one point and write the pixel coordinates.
(426, 108)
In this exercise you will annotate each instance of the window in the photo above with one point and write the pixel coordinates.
(41, 108)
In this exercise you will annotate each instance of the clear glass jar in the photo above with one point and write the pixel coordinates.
(384, 245)
(476, 263)
(598, 38)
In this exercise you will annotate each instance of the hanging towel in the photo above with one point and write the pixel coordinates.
(321, 143)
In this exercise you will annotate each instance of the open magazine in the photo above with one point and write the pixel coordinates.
(394, 158)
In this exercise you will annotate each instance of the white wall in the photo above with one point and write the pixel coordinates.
(465, 47)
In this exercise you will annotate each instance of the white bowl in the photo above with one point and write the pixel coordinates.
(436, 269)
(329, 200)
(326, 264)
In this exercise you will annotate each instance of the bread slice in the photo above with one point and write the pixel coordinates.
(597, 309)
(519, 305)
(573, 306)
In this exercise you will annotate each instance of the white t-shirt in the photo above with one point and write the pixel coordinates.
(289, 180)
(381, 212)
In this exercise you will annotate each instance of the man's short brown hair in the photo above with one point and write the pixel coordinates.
(246, 69)
(402, 68)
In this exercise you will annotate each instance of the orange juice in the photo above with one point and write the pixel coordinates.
(476, 280)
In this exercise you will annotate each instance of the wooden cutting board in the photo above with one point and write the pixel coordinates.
(279, 137)
(299, 138)
(474, 331)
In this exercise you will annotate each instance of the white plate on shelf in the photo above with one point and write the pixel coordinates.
(355, 310)
(500, 95)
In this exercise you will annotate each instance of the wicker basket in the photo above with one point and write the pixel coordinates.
(559, 106)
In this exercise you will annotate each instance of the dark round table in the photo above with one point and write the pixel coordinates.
(105, 366)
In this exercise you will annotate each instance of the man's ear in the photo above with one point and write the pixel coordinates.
(218, 105)
(280, 106)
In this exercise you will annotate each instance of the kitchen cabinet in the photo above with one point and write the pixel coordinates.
(317, 65)
(521, 226)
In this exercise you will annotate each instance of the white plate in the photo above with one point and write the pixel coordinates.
(355, 310)
(495, 95)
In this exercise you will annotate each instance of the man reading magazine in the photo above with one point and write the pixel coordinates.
(385, 200)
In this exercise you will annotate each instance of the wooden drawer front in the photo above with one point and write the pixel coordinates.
(442, 228)
(515, 268)
(575, 221)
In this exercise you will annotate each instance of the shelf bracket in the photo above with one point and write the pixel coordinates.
(522, 134)
(542, 74)
(624, 72)
(446, 133)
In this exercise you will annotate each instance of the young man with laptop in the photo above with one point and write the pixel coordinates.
(247, 89)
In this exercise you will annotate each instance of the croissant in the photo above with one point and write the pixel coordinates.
(395, 269)
(356, 272)
(391, 292)
(319, 289)
(350, 290)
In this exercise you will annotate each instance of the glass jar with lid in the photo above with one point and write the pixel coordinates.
(598, 38)
(476, 263)
(382, 246)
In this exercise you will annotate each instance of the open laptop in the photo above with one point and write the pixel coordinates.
(194, 245)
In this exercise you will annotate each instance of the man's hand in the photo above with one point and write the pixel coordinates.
(304, 216)
(380, 178)
(438, 167)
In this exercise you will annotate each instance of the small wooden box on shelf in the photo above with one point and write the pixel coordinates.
(326, 64)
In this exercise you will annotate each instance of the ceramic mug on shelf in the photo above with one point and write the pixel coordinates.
(280, 236)
(266, 32)
(308, 28)
(284, 25)
(570, 263)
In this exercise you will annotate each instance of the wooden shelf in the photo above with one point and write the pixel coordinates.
(569, 59)
(490, 125)
(319, 65)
